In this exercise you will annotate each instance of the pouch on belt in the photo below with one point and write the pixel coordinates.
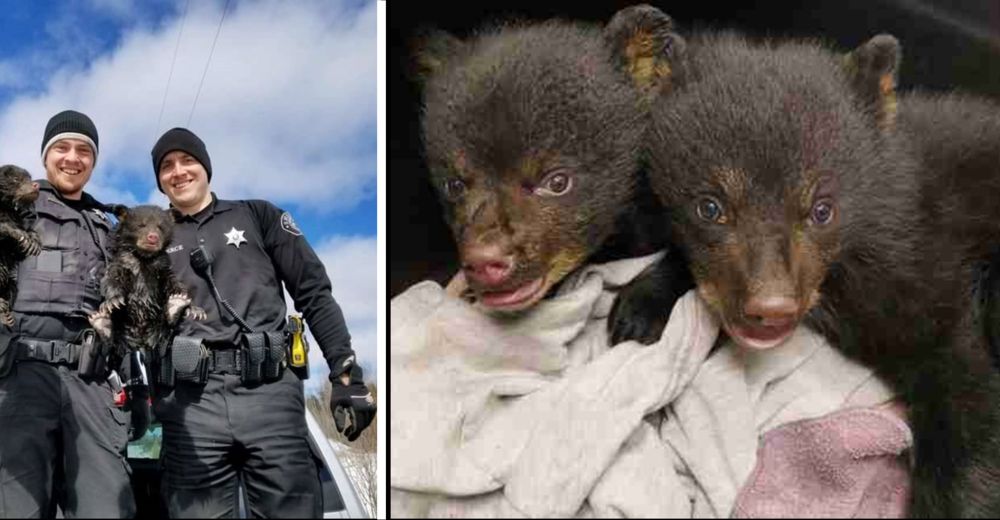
(275, 361)
(92, 361)
(254, 352)
(264, 356)
(189, 358)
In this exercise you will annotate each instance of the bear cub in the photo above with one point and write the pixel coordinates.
(17, 240)
(143, 300)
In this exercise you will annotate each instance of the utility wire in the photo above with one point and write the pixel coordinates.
(204, 72)
(172, 62)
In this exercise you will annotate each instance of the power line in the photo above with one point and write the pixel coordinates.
(204, 72)
(172, 62)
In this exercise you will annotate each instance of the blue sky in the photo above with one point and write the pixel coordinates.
(287, 110)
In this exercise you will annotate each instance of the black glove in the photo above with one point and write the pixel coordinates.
(352, 405)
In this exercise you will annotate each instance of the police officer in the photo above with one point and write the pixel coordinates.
(234, 423)
(57, 412)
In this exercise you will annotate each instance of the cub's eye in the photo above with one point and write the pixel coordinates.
(454, 188)
(709, 210)
(555, 184)
(822, 212)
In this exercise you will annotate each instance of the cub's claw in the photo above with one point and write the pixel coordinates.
(195, 313)
(30, 243)
(111, 304)
(6, 317)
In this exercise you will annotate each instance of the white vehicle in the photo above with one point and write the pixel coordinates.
(340, 499)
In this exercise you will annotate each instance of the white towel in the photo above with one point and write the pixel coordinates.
(534, 416)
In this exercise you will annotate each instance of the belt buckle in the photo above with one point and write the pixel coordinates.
(30, 349)
(223, 362)
(60, 352)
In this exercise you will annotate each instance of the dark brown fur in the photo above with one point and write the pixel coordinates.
(769, 131)
(519, 111)
(17, 240)
(143, 300)
(957, 136)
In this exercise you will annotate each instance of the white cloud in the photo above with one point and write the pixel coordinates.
(11, 75)
(110, 194)
(287, 109)
(351, 265)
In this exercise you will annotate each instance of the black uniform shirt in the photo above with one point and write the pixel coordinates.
(255, 248)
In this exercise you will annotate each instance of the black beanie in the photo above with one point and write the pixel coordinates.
(69, 124)
(184, 140)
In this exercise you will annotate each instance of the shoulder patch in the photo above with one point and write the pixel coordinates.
(100, 214)
(288, 224)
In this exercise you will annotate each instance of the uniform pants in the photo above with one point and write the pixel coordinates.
(214, 432)
(53, 422)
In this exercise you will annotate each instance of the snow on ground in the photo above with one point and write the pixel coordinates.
(353, 461)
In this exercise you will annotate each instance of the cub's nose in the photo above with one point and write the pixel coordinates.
(771, 311)
(487, 264)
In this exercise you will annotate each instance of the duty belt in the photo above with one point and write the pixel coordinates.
(50, 351)
(260, 357)
(225, 361)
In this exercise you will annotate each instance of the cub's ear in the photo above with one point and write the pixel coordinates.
(873, 69)
(645, 47)
(8, 169)
(119, 210)
(431, 49)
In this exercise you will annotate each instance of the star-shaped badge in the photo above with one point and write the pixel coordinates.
(235, 237)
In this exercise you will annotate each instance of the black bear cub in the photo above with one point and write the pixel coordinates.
(143, 300)
(798, 197)
(17, 240)
(532, 136)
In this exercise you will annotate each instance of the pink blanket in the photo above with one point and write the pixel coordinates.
(850, 463)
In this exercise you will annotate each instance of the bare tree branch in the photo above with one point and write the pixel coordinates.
(358, 457)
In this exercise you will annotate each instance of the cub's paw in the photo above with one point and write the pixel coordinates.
(637, 315)
(177, 303)
(30, 243)
(7, 318)
(642, 307)
(101, 322)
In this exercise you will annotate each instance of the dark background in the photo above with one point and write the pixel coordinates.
(947, 44)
